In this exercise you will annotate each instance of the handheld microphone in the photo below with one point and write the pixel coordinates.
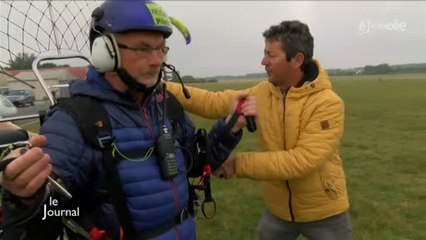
(251, 123)
(184, 90)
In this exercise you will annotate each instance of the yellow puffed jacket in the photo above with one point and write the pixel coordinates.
(299, 165)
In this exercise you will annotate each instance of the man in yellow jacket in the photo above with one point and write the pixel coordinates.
(300, 122)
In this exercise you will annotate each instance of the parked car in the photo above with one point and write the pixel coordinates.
(21, 97)
(7, 109)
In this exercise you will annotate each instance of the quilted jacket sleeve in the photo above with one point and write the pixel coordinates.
(204, 103)
(71, 158)
(318, 140)
(222, 143)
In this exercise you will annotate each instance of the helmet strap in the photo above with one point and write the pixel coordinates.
(133, 85)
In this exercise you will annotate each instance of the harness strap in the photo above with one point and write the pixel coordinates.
(117, 194)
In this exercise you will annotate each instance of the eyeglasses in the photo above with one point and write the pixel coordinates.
(145, 52)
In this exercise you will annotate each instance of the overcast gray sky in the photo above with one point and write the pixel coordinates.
(227, 35)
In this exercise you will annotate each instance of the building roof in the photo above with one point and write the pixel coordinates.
(79, 72)
(62, 73)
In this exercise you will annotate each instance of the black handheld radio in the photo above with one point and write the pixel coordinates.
(166, 154)
(166, 149)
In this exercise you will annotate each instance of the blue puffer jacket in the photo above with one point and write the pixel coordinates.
(150, 199)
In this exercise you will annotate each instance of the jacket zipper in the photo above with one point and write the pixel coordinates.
(175, 194)
(289, 201)
(287, 182)
(145, 117)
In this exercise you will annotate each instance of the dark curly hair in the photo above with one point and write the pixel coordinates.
(295, 37)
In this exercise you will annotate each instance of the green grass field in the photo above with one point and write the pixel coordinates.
(383, 149)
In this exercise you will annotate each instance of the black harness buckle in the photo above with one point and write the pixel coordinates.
(105, 141)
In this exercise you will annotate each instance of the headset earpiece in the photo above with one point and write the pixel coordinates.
(105, 56)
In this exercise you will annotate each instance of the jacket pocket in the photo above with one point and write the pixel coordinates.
(333, 180)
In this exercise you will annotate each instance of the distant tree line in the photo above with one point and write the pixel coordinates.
(191, 79)
(380, 69)
(383, 68)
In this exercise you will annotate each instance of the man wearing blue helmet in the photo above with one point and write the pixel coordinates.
(133, 184)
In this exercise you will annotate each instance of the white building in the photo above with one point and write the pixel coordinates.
(25, 79)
